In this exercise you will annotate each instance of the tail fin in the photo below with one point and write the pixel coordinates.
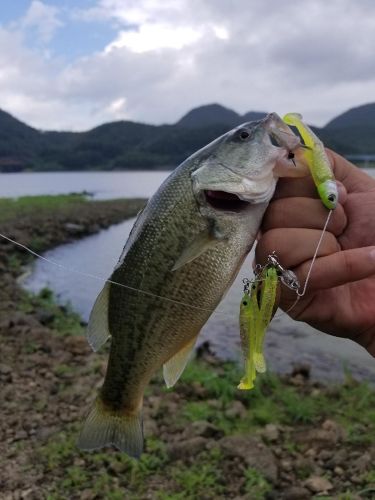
(103, 427)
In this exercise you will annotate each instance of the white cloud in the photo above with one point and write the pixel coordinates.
(170, 56)
(42, 18)
(155, 37)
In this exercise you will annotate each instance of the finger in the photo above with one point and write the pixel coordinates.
(294, 246)
(303, 213)
(339, 268)
(348, 174)
(288, 187)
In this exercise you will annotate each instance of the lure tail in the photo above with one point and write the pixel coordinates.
(104, 427)
(267, 302)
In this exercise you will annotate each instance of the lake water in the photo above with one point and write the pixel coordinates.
(287, 342)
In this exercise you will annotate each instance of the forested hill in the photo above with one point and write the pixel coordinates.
(131, 145)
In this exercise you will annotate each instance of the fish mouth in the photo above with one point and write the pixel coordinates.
(224, 201)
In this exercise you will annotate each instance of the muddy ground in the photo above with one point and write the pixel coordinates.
(203, 439)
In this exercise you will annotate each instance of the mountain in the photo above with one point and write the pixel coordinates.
(215, 114)
(253, 116)
(17, 142)
(362, 116)
(211, 114)
(131, 145)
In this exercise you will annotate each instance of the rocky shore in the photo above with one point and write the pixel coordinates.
(290, 438)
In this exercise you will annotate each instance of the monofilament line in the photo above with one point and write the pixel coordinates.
(101, 278)
(301, 294)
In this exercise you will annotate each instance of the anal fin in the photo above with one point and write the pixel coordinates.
(97, 330)
(174, 367)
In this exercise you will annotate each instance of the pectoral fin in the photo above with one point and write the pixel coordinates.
(97, 330)
(202, 242)
(174, 367)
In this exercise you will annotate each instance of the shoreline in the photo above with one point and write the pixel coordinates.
(289, 438)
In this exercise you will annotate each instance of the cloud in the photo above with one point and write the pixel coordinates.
(41, 19)
(167, 57)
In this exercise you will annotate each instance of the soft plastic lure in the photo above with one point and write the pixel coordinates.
(317, 160)
(267, 304)
(254, 321)
(249, 312)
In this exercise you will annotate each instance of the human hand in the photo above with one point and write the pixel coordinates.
(340, 296)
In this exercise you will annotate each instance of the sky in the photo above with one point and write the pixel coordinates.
(74, 64)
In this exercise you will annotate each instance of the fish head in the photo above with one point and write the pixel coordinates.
(237, 169)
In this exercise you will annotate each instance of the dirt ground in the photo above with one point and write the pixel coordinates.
(198, 445)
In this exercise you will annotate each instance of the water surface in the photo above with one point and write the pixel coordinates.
(287, 342)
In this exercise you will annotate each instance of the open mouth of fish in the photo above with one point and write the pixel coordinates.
(221, 200)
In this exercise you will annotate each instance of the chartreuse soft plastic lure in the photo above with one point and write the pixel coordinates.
(317, 160)
(266, 307)
(249, 312)
(254, 320)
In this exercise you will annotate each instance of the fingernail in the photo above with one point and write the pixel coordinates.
(341, 192)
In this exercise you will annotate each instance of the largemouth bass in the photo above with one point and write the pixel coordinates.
(182, 255)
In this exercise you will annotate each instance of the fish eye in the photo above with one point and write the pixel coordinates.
(244, 134)
(331, 197)
(244, 303)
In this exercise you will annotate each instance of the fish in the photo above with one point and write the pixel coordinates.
(317, 160)
(182, 255)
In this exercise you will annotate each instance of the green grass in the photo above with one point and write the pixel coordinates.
(63, 319)
(25, 205)
(202, 479)
(256, 485)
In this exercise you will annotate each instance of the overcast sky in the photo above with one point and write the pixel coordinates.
(74, 64)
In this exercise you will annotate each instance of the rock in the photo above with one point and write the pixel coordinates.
(326, 437)
(286, 465)
(202, 428)
(325, 455)
(339, 471)
(150, 427)
(198, 390)
(253, 452)
(77, 345)
(301, 369)
(363, 463)
(271, 433)
(297, 493)
(44, 317)
(298, 380)
(318, 484)
(340, 458)
(20, 435)
(5, 369)
(236, 410)
(73, 228)
(205, 352)
(187, 448)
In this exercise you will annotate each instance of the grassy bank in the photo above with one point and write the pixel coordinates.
(287, 439)
(10, 208)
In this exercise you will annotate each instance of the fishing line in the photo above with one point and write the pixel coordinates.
(301, 294)
(145, 292)
(104, 280)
